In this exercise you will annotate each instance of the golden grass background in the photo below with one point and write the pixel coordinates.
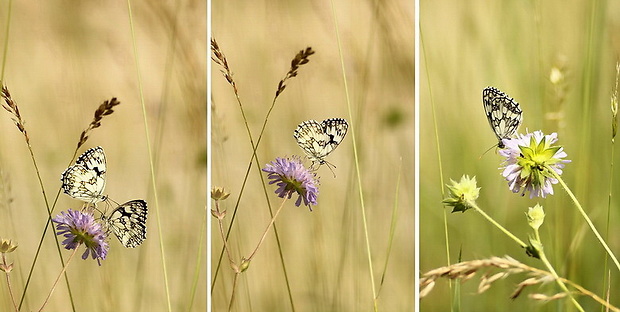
(64, 59)
(324, 250)
(513, 46)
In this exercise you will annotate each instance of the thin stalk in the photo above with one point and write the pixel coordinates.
(273, 219)
(486, 216)
(58, 278)
(357, 166)
(198, 267)
(5, 52)
(150, 152)
(543, 258)
(8, 282)
(392, 227)
(585, 216)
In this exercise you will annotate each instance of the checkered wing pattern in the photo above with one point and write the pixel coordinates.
(86, 179)
(503, 113)
(128, 222)
(320, 139)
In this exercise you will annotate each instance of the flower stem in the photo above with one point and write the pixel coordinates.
(585, 216)
(558, 280)
(267, 230)
(8, 283)
(58, 278)
(220, 217)
(516, 239)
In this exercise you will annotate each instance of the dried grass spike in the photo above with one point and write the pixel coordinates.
(11, 107)
(105, 109)
(300, 59)
(220, 59)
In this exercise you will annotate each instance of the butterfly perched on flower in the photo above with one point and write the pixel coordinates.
(86, 179)
(503, 113)
(128, 222)
(320, 139)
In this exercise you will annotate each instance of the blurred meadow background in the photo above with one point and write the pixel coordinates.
(63, 59)
(324, 251)
(558, 60)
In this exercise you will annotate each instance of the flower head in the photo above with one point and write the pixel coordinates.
(529, 159)
(218, 193)
(292, 177)
(463, 194)
(535, 216)
(7, 245)
(80, 228)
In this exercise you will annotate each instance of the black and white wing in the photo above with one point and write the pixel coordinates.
(318, 140)
(503, 113)
(128, 222)
(86, 179)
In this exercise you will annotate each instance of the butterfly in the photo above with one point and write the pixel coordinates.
(86, 179)
(503, 113)
(320, 139)
(128, 222)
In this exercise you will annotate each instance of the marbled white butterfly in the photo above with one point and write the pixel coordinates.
(320, 139)
(503, 113)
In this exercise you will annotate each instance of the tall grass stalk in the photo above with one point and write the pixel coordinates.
(543, 257)
(392, 226)
(7, 32)
(357, 167)
(64, 269)
(198, 268)
(614, 131)
(300, 59)
(150, 152)
(440, 167)
(13, 109)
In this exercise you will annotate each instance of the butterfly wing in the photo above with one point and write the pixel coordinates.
(128, 222)
(319, 139)
(310, 137)
(503, 113)
(86, 179)
(93, 159)
(335, 129)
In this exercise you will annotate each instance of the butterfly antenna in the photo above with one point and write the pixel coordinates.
(330, 165)
(486, 151)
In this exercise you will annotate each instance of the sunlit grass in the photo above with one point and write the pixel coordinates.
(556, 61)
(324, 251)
(62, 61)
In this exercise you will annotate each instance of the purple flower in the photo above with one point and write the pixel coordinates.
(529, 159)
(80, 228)
(292, 177)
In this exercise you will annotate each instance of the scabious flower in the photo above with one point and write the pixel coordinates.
(528, 160)
(292, 177)
(463, 194)
(80, 228)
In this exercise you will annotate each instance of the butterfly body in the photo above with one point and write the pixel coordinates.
(318, 140)
(503, 113)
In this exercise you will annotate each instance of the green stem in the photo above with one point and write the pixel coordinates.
(516, 239)
(356, 163)
(544, 259)
(585, 216)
